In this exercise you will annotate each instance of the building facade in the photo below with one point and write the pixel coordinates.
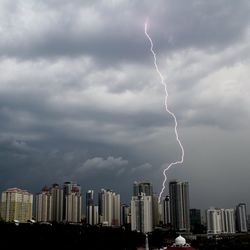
(90, 207)
(72, 202)
(60, 204)
(166, 210)
(57, 203)
(109, 208)
(141, 213)
(220, 221)
(241, 218)
(195, 218)
(125, 214)
(213, 218)
(44, 205)
(228, 221)
(16, 204)
(142, 187)
(179, 205)
(73, 208)
(146, 188)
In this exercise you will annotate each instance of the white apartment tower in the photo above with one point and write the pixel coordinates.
(125, 214)
(220, 221)
(57, 203)
(44, 205)
(72, 202)
(228, 220)
(109, 208)
(96, 215)
(146, 188)
(16, 204)
(141, 213)
(73, 207)
(142, 187)
(214, 224)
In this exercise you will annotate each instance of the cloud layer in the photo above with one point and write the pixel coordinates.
(80, 99)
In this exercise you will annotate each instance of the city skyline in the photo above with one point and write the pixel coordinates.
(91, 197)
(64, 204)
(80, 99)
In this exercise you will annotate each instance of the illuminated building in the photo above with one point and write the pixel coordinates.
(16, 204)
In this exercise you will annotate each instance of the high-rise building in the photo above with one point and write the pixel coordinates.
(195, 218)
(109, 208)
(228, 220)
(220, 221)
(147, 189)
(214, 223)
(96, 215)
(44, 205)
(155, 210)
(90, 207)
(16, 204)
(241, 218)
(57, 203)
(125, 214)
(72, 202)
(166, 211)
(179, 205)
(141, 213)
(60, 203)
(142, 187)
(248, 221)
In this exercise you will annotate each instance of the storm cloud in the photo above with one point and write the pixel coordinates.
(80, 98)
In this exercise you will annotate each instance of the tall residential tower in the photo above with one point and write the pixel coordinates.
(179, 205)
(16, 204)
(241, 218)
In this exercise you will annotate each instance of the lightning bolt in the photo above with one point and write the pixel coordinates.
(167, 109)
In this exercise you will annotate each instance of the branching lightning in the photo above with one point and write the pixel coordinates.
(167, 109)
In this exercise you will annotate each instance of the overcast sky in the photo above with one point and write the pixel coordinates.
(80, 98)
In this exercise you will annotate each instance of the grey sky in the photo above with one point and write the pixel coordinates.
(80, 99)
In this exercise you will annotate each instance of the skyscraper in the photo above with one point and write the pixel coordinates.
(57, 203)
(44, 205)
(195, 218)
(109, 208)
(220, 220)
(141, 213)
(142, 187)
(146, 188)
(166, 211)
(179, 205)
(90, 207)
(241, 218)
(155, 210)
(125, 214)
(73, 205)
(96, 215)
(72, 202)
(214, 223)
(228, 220)
(16, 204)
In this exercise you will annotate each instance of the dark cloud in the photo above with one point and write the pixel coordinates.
(80, 98)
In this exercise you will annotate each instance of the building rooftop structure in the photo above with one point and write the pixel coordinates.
(180, 244)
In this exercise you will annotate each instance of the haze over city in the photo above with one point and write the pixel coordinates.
(80, 98)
